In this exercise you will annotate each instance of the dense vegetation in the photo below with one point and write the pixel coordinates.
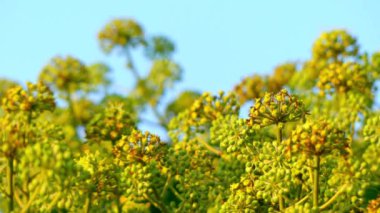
(310, 142)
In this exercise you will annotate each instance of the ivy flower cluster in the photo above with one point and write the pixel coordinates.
(37, 98)
(276, 109)
(120, 33)
(317, 138)
(344, 77)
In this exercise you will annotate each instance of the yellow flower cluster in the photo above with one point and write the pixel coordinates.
(208, 108)
(281, 76)
(37, 98)
(111, 124)
(120, 33)
(182, 102)
(250, 88)
(138, 146)
(6, 84)
(255, 86)
(65, 73)
(276, 109)
(374, 206)
(342, 77)
(317, 138)
(334, 45)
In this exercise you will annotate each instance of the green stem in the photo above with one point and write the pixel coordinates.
(11, 184)
(166, 186)
(71, 108)
(316, 168)
(157, 197)
(211, 148)
(119, 205)
(89, 202)
(176, 193)
(281, 199)
(74, 122)
(160, 118)
(302, 200)
(333, 198)
(281, 203)
(131, 65)
(156, 203)
(279, 134)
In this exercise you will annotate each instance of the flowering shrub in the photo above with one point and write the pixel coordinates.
(309, 143)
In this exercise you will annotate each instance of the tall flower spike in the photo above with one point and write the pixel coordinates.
(276, 109)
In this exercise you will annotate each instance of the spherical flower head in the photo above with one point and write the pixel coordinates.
(159, 47)
(276, 109)
(36, 99)
(120, 33)
(317, 138)
(374, 205)
(138, 147)
(335, 45)
(84, 110)
(250, 88)
(162, 76)
(343, 77)
(375, 65)
(182, 102)
(96, 173)
(281, 76)
(210, 107)
(6, 84)
(66, 74)
(111, 124)
(371, 130)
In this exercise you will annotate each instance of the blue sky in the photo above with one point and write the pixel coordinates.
(218, 42)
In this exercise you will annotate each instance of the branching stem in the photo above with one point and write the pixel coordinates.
(11, 184)
(316, 168)
(281, 199)
(333, 198)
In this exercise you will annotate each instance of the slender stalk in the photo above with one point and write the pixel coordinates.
(302, 200)
(54, 201)
(161, 118)
(74, 122)
(166, 186)
(176, 193)
(71, 108)
(156, 203)
(89, 202)
(279, 134)
(11, 184)
(316, 161)
(119, 205)
(211, 148)
(332, 199)
(131, 65)
(281, 203)
(280, 198)
(162, 206)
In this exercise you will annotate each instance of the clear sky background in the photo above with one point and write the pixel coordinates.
(218, 41)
